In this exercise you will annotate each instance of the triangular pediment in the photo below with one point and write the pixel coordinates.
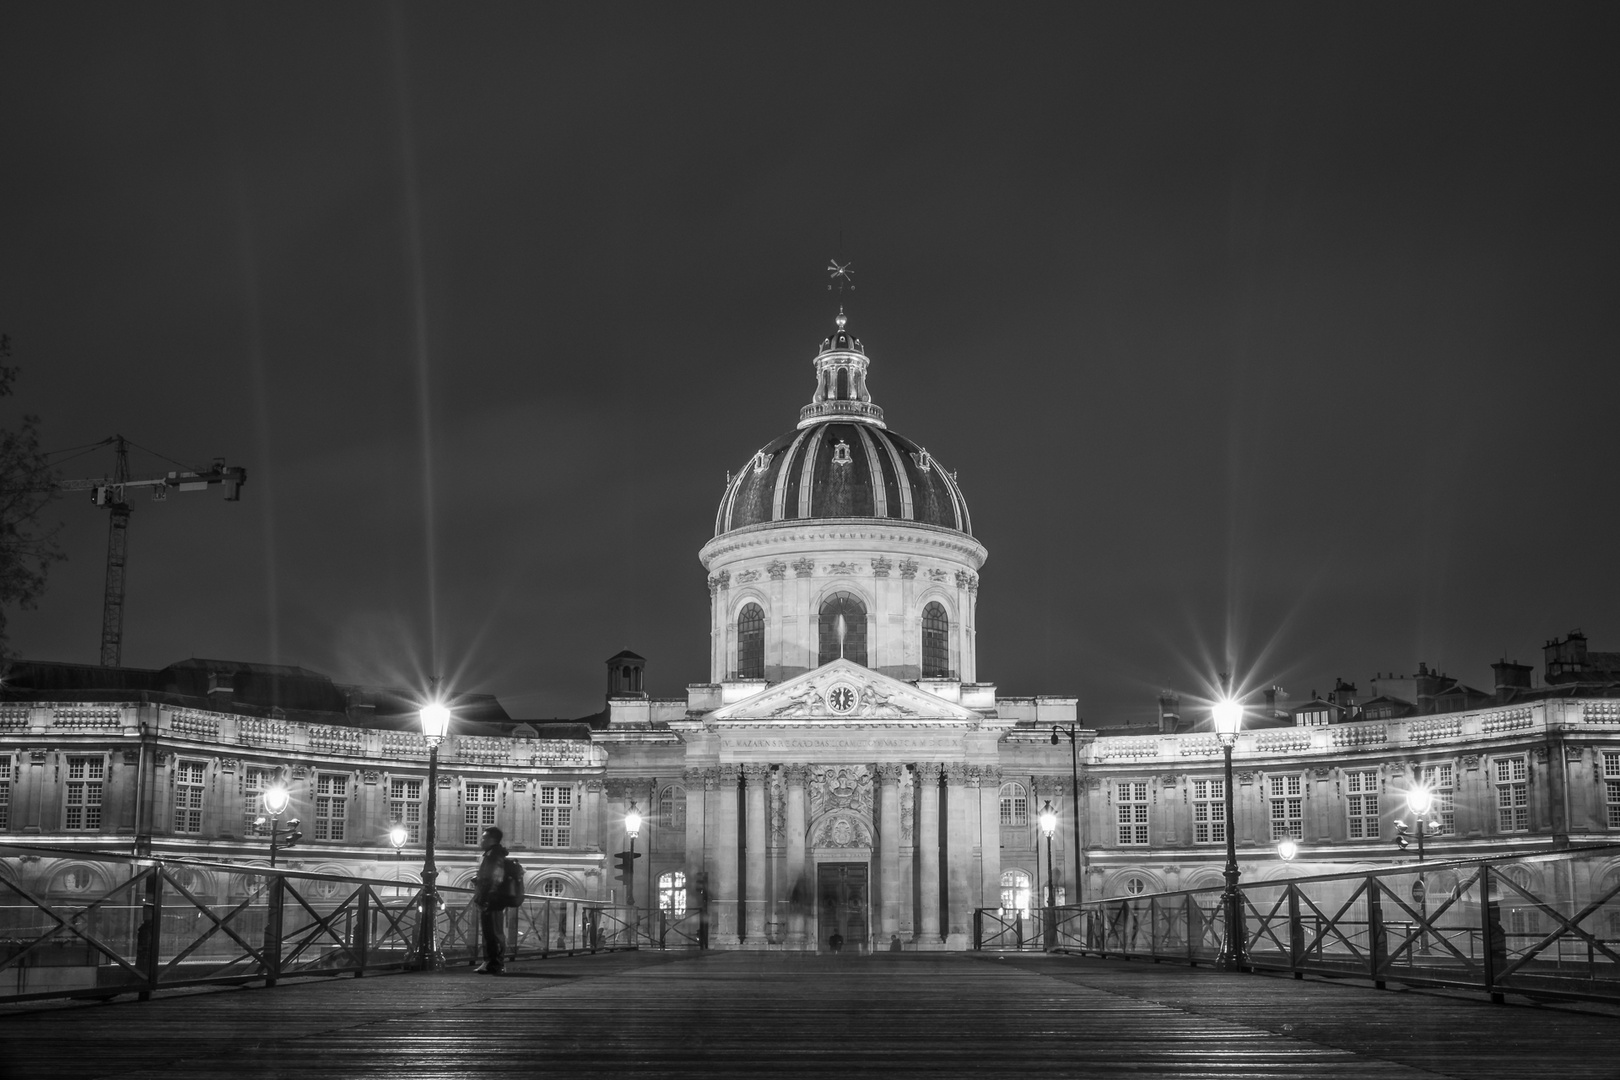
(843, 691)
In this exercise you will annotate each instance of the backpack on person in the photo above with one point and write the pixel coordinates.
(509, 894)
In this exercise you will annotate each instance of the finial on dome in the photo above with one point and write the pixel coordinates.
(842, 318)
(841, 275)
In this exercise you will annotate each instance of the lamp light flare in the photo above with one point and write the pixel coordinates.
(1048, 819)
(632, 822)
(1420, 799)
(1228, 717)
(435, 722)
(276, 797)
(398, 835)
(1287, 848)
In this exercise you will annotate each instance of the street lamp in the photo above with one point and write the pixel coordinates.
(275, 799)
(397, 836)
(1420, 800)
(1048, 821)
(1228, 717)
(1287, 848)
(435, 723)
(632, 829)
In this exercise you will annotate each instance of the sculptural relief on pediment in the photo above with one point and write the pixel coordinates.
(841, 787)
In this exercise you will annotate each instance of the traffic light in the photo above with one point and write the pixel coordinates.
(1402, 840)
(293, 833)
(627, 865)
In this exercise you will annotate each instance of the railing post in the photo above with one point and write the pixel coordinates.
(272, 932)
(1492, 933)
(1377, 943)
(1296, 934)
(149, 937)
(362, 930)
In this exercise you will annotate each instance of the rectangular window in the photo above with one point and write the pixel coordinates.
(1014, 805)
(1611, 786)
(85, 777)
(1209, 811)
(480, 807)
(1441, 782)
(254, 782)
(556, 816)
(1512, 794)
(405, 807)
(1287, 807)
(1361, 803)
(188, 796)
(5, 793)
(1132, 800)
(331, 806)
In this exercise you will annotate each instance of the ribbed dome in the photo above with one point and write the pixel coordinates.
(842, 461)
(843, 470)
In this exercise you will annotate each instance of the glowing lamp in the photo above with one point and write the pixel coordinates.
(1287, 848)
(1420, 799)
(276, 798)
(1048, 819)
(632, 822)
(398, 835)
(435, 722)
(1228, 720)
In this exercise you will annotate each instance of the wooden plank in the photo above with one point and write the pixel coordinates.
(791, 1015)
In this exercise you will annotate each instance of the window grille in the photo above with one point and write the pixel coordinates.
(936, 642)
(854, 612)
(1611, 789)
(1015, 891)
(672, 808)
(85, 777)
(554, 887)
(1361, 804)
(1440, 779)
(5, 793)
(672, 892)
(188, 797)
(1209, 811)
(751, 642)
(254, 782)
(1131, 798)
(1287, 807)
(331, 806)
(1512, 794)
(1014, 805)
(479, 811)
(557, 815)
(405, 807)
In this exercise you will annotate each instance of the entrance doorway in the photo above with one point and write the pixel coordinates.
(841, 905)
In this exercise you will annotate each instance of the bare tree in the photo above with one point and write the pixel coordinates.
(27, 548)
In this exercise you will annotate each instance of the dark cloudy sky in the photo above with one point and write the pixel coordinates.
(1278, 333)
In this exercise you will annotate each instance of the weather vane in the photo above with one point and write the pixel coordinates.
(842, 276)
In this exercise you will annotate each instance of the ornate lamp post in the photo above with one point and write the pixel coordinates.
(435, 723)
(275, 799)
(1419, 800)
(632, 829)
(1048, 821)
(1228, 722)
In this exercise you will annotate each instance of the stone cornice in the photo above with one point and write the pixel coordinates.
(836, 533)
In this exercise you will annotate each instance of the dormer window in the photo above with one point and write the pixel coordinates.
(841, 453)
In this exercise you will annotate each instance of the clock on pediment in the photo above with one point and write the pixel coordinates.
(841, 698)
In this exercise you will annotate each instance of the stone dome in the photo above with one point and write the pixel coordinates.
(842, 461)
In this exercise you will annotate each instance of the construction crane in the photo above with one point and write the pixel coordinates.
(112, 492)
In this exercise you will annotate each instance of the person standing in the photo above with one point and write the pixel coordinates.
(488, 895)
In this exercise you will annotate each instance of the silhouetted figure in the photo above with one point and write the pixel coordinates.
(836, 942)
(894, 943)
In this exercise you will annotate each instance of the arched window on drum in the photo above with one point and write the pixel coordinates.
(751, 642)
(843, 629)
(1014, 892)
(936, 642)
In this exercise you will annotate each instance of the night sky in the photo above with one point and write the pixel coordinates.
(1271, 337)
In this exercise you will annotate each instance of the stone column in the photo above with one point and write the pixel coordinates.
(989, 811)
(962, 833)
(724, 845)
(591, 813)
(928, 851)
(697, 784)
(889, 894)
(796, 878)
(754, 778)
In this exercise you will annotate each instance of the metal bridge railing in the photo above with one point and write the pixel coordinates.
(104, 924)
(1545, 925)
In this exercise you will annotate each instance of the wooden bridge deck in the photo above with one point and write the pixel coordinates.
(776, 1015)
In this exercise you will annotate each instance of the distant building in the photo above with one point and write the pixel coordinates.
(840, 767)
